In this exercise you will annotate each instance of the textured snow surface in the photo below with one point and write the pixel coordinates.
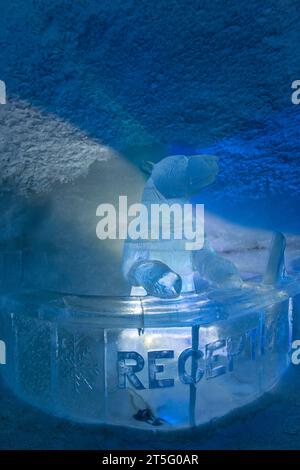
(87, 78)
(130, 73)
(38, 149)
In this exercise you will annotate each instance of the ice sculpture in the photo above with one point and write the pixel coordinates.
(165, 267)
(203, 345)
(147, 362)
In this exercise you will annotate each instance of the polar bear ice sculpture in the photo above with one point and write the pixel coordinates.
(164, 268)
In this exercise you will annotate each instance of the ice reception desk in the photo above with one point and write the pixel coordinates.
(145, 362)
